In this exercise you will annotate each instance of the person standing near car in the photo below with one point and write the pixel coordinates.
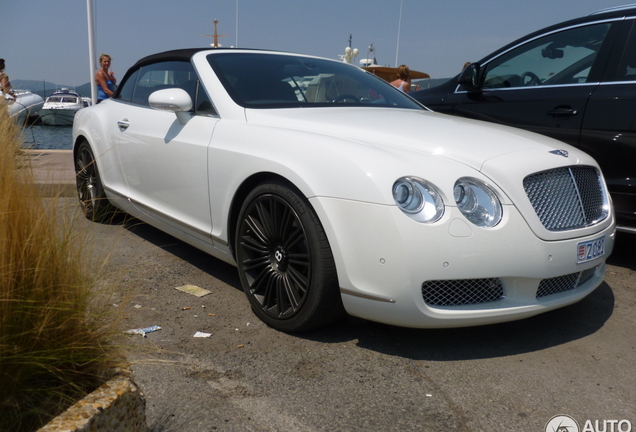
(105, 80)
(403, 81)
(5, 84)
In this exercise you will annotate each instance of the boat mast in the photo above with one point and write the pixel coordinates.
(397, 49)
(216, 36)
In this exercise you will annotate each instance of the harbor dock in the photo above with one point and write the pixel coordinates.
(53, 171)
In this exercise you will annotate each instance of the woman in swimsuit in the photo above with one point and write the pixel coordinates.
(105, 80)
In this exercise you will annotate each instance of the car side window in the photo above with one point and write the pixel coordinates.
(627, 66)
(564, 57)
(127, 87)
(164, 75)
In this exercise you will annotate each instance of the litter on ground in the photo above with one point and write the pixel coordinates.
(194, 290)
(202, 335)
(143, 331)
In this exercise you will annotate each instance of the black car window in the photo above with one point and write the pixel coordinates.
(627, 67)
(564, 57)
(258, 80)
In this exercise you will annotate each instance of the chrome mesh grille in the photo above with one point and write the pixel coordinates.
(586, 275)
(567, 198)
(461, 292)
(564, 283)
(557, 285)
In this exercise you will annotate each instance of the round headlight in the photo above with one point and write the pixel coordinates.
(477, 202)
(418, 199)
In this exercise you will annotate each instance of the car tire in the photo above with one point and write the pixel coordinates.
(90, 190)
(285, 262)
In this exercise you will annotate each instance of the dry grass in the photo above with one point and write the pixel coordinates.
(53, 337)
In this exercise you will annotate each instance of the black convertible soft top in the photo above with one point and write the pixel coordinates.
(183, 54)
(173, 55)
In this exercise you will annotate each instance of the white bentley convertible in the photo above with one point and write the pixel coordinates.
(333, 192)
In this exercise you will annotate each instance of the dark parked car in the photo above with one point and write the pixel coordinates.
(574, 81)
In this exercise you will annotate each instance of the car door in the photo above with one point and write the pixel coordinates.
(165, 162)
(609, 125)
(541, 85)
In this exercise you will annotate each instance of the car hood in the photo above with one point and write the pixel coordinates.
(466, 141)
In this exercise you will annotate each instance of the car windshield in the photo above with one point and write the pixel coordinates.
(259, 80)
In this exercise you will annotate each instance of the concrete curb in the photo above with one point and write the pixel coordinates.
(117, 406)
(53, 171)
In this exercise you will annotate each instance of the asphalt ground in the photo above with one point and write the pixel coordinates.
(358, 375)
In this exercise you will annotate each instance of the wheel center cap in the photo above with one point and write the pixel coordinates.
(280, 258)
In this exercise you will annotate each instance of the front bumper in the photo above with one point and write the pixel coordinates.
(384, 258)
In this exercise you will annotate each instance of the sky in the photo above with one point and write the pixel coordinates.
(48, 39)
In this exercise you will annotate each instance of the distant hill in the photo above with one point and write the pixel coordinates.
(84, 89)
(45, 89)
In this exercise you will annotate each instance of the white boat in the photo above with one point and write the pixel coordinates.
(59, 109)
(26, 105)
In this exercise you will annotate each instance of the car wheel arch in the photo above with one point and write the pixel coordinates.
(76, 144)
(79, 140)
(90, 189)
(243, 191)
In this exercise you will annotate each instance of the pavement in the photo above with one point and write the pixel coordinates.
(354, 375)
(53, 171)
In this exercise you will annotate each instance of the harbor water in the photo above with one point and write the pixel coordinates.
(39, 136)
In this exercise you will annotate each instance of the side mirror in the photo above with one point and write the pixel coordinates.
(469, 77)
(175, 100)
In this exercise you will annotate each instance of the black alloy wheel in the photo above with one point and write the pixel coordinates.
(90, 190)
(285, 262)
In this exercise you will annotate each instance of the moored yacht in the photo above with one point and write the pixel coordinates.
(59, 109)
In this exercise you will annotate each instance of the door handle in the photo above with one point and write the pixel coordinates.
(563, 112)
(123, 124)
